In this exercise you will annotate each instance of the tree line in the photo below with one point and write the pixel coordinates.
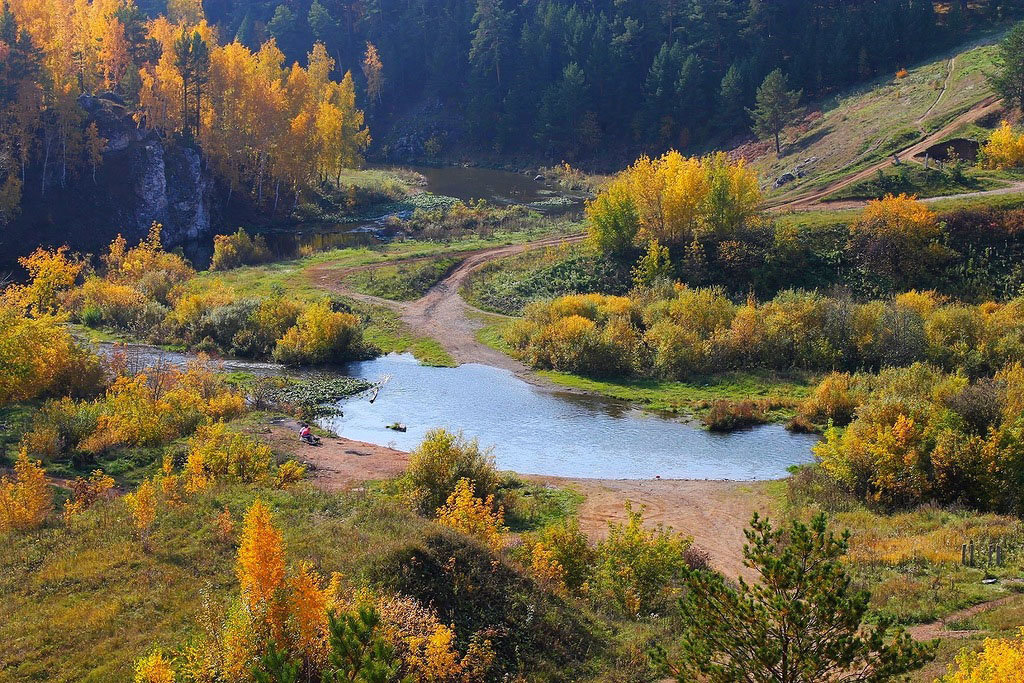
(570, 78)
(266, 124)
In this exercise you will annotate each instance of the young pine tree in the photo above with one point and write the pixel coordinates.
(803, 621)
(1008, 79)
(776, 106)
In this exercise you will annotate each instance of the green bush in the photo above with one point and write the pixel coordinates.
(437, 465)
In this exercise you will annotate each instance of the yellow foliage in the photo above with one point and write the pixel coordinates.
(1001, 660)
(899, 216)
(239, 249)
(320, 335)
(260, 565)
(1004, 148)
(676, 198)
(85, 492)
(142, 505)
(146, 267)
(467, 514)
(25, 501)
(216, 454)
(38, 355)
(425, 646)
(545, 566)
(50, 274)
(154, 668)
(290, 472)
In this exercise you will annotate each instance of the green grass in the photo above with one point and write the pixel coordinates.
(687, 397)
(867, 124)
(386, 331)
(83, 603)
(916, 180)
(402, 281)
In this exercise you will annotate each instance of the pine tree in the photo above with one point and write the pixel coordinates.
(1008, 79)
(358, 652)
(802, 622)
(776, 106)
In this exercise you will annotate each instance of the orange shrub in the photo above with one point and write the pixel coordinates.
(239, 249)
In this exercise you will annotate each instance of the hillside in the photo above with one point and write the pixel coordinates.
(858, 131)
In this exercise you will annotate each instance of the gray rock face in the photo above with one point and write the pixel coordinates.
(150, 178)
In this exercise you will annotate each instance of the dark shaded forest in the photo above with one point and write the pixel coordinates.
(577, 79)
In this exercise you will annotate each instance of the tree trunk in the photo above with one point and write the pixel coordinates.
(778, 144)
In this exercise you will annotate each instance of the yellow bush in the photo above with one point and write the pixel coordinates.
(216, 454)
(320, 335)
(239, 249)
(290, 472)
(154, 668)
(118, 305)
(142, 505)
(1004, 148)
(26, 500)
(673, 199)
(50, 274)
(467, 514)
(545, 566)
(1001, 660)
(39, 356)
(147, 267)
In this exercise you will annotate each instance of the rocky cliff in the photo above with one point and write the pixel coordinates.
(151, 178)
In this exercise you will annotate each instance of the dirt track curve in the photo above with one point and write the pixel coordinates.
(816, 198)
(441, 313)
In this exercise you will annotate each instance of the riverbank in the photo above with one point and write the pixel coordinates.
(714, 513)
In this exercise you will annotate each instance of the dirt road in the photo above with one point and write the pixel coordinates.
(442, 313)
(815, 198)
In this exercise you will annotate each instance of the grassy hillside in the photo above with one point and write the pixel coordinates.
(855, 129)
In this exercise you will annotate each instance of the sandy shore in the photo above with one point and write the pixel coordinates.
(715, 513)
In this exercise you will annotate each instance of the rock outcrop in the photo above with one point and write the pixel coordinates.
(147, 177)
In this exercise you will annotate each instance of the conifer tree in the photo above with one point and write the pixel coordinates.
(802, 622)
(776, 106)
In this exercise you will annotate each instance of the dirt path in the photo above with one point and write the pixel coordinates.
(942, 93)
(937, 629)
(442, 313)
(816, 198)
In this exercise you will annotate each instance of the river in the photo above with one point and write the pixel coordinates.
(536, 430)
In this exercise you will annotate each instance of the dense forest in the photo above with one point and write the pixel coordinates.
(575, 77)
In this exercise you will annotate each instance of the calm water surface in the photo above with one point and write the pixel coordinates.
(535, 431)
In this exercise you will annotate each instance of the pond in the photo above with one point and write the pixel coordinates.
(534, 430)
(471, 182)
(537, 431)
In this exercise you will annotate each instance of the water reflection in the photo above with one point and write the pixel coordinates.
(543, 432)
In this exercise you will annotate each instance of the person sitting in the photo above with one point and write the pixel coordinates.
(306, 434)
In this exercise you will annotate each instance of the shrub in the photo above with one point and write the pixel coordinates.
(239, 249)
(146, 267)
(441, 461)
(86, 492)
(638, 570)
(1004, 148)
(320, 335)
(26, 500)
(727, 416)
(217, 455)
(39, 357)
(672, 200)
(572, 551)
(896, 237)
(1000, 659)
(50, 274)
(476, 517)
